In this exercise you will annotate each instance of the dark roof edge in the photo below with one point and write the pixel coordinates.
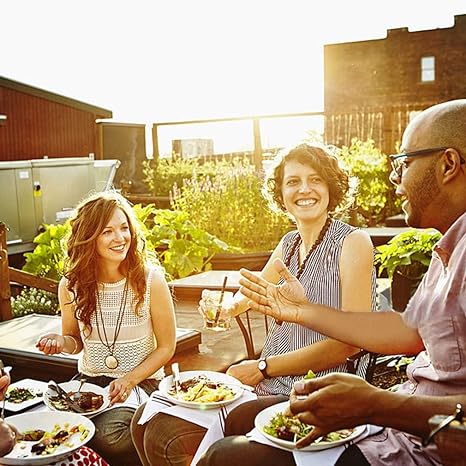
(37, 92)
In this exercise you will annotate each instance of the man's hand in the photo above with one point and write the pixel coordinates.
(246, 372)
(282, 302)
(333, 402)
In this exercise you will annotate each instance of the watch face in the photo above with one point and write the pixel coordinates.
(262, 365)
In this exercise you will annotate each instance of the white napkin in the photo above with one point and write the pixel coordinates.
(326, 457)
(211, 419)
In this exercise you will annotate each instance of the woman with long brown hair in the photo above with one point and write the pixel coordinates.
(117, 311)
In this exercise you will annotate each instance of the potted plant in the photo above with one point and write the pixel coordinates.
(405, 259)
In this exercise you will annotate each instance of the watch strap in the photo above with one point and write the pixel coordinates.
(262, 366)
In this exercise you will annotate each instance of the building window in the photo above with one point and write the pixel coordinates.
(427, 69)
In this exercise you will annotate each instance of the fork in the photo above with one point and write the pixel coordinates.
(456, 416)
(77, 394)
(176, 377)
(2, 373)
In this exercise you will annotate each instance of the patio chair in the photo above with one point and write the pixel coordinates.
(244, 323)
(353, 362)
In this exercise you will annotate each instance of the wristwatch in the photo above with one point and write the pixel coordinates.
(262, 366)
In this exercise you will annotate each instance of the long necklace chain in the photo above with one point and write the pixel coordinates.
(111, 361)
(298, 241)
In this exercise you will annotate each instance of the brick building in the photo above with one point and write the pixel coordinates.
(373, 88)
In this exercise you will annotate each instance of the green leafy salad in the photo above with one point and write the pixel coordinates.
(290, 428)
(18, 395)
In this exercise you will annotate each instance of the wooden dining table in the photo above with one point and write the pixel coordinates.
(17, 348)
(190, 288)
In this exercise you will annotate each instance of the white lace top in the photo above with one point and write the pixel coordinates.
(135, 340)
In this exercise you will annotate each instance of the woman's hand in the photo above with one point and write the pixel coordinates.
(8, 435)
(52, 343)
(8, 432)
(332, 402)
(120, 389)
(4, 382)
(282, 302)
(246, 372)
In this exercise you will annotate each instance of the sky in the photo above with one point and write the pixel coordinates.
(172, 60)
(175, 59)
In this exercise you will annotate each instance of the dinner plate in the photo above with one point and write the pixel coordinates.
(72, 386)
(46, 420)
(35, 386)
(167, 383)
(265, 416)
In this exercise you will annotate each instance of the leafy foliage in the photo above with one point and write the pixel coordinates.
(375, 198)
(230, 205)
(47, 258)
(408, 253)
(33, 300)
(161, 175)
(183, 247)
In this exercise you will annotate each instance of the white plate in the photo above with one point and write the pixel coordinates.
(167, 383)
(265, 416)
(73, 386)
(35, 386)
(45, 420)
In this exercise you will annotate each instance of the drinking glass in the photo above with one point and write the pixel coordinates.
(214, 307)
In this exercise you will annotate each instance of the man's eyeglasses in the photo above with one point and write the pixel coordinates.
(398, 161)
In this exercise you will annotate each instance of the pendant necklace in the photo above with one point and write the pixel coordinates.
(111, 362)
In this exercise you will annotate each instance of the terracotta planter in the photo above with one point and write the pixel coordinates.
(251, 261)
(402, 288)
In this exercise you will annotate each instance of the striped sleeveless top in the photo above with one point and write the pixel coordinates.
(135, 341)
(321, 281)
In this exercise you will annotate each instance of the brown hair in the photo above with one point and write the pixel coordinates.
(91, 217)
(325, 164)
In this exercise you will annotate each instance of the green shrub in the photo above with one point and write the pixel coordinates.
(33, 300)
(160, 175)
(375, 195)
(183, 248)
(47, 258)
(231, 207)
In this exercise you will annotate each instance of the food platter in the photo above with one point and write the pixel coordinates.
(46, 420)
(72, 386)
(166, 387)
(265, 416)
(35, 387)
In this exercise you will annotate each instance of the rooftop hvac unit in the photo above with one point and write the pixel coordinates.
(39, 191)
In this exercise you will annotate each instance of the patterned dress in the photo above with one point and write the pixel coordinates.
(135, 339)
(322, 283)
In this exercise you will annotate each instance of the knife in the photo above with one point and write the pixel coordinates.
(65, 397)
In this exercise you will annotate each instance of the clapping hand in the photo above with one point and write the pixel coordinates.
(282, 302)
